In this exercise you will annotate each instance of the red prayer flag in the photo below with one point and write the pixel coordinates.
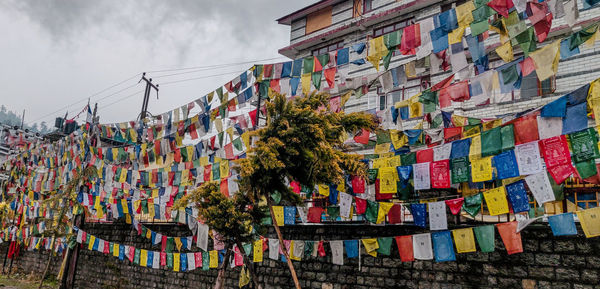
(252, 115)
(555, 151)
(314, 214)
(362, 137)
(330, 76)
(295, 187)
(274, 85)
(361, 205)
(444, 83)
(405, 248)
(510, 237)
(526, 129)
(527, 66)
(335, 104)
(411, 39)
(395, 214)
(425, 156)
(440, 174)
(321, 249)
(452, 133)
(455, 205)
(501, 6)
(536, 11)
(317, 64)
(224, 188)
(561, 172)
(207, 171)
(267, 70)
(358, 185)
(380, 196)
(458, 91)
(542, 28)
(197, 258)
(229, 152)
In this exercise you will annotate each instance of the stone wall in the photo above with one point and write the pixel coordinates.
(548, 262)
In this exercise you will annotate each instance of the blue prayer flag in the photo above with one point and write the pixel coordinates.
(443, 248)
(439, 40)
(506, 165)
(563, 224)
(518, 196)
(419, 213)
(358, 47)
(579, 95)
(183, 259)
(286, 70)
(460, 148)
(556, 108)
(289, 215)
(351, 248)
(446, 20)
(297, 68)
(343, 56)
(150, 259)
(294, 82)
(404, 173)
(565, 52)
(575, 118)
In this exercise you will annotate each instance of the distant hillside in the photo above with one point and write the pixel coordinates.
(11, 118)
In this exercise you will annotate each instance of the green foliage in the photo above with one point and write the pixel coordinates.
(301, 141)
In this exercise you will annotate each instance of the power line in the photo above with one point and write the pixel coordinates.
(84, 99)
(216, 65)
(120, 99)
(201, 77)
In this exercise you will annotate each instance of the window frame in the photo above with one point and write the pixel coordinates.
(328, 48)
(366, 3)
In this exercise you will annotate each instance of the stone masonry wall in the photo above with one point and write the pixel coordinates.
(547, 262)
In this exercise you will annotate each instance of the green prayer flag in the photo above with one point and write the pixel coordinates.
(136, 256)
(486, 238)
(385, 245)
(473, 121)
(510, 74)
(557, 189)
(392, 39)
(316, 79)
(371, 212)
(205, 260)
(491, 142)
(221, 136)
(405, 193)
(472, 204)
(276, 197)
(383, 136)
(170, 244)
(428, 96)
(460, 170)
(308, 248)
(584, 145)
(334, 212)
(586, 168)
(408, 159)
(482, 13)
(145, 207)
(247, 248)
(429, 107)
(308, 64)
(216, 171)
(437, 121)
(526, 41)
(479, 27)
(372, 175)
(220, 93)
(387, 58)
(508, 137)
(237, 143)
(263, 89)
(514, 24)
(582, 36)
(479, 3)
(323, 59)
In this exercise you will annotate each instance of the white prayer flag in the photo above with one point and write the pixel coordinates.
(303, 212)
(191, 261)
(437, 216)
(422, 180)
(540, 187)
(202, 237)
(273, 249)
(442, 152)
(345, 205)
(79, 236)
(528, 158)
(422, 246)
(549, 126)
(337, 252)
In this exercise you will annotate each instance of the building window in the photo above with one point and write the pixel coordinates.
(391, 28)
(318, 20)
(367, 6)
(382, 98)
(328, 48)
(531, 86)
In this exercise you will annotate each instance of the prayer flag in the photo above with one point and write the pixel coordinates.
(589, 221)
(464, 240)
(405, 248)
(562, 224)
(437, 216)
(510, 237)
(486, 238)
(422, 249)
(443, 247)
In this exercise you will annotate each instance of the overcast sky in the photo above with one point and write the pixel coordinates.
(55, 53)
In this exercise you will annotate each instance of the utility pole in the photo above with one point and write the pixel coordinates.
(149, 87)
(23, 119)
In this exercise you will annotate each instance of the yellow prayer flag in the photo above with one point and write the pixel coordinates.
(496, 201)
(458, 120)
(595, 103)
(594, 91)
(149, 233)
(398, 138)
(388, 176)
(323, 190)
(278, 212)
(224, 169)
(377, 50)
(341, 187)
(382, 148)
(475, 149)
(492, 124)
(415, 109)
(125, 207)
(244, 277)
(203, 161)
(472, 131)
(91, 244)
(214, 259)
(546, 60)
(143, 257)
(128, 219)
(257, 247)
(371, 246)
(464, 240)
(456, 35)
(178, 243)
(384, 209)
(305, 81)
(481, 169)
(590, 221)
(464, 13)
(115, 250)
(379, 163)
(176, 261)
(393, 161)
(505, 51)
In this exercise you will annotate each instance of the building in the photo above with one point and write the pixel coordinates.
(329, 25)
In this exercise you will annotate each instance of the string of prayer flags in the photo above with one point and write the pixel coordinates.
(496, 201)
(510, 237)
(464, 240)
(443, 247)
(422, 249)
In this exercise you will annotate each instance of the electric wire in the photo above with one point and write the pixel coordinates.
(215, 65)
